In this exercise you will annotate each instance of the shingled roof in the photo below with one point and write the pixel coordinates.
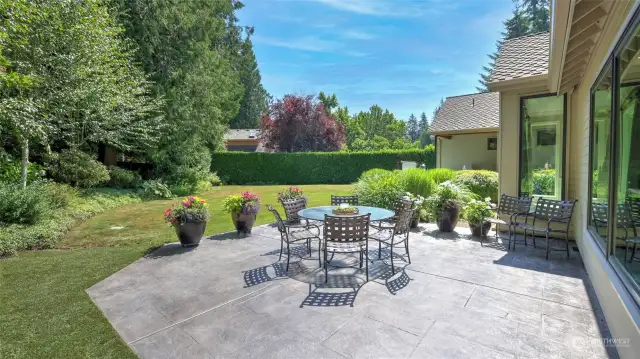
(522, 57)
(467, 113)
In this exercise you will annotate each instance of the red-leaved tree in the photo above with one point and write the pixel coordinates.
(298, 124)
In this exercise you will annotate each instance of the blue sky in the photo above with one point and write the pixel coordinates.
(403, 55)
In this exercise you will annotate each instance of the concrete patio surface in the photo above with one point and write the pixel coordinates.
(231, 298)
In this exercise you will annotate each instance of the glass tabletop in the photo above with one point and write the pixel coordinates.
(317, 213)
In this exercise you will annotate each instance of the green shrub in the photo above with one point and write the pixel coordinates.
(439, 175)
(373, 173)
(544, 182)
(308, 167)
(417, 181)
(152, 189)
(78, 169)
(214, 180)
(481, 182)
(59, 195)
(183, 165)
(380, 191)
(447, 194)
(123, 178)
(11, 170)
(23, 206)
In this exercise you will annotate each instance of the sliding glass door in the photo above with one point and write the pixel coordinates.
(542, 140)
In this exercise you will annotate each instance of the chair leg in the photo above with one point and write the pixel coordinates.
(367, 262)
(288, 256)
(406, 245)
(309, 246)
(633, 252)
(379, 249)
(281, 247)
(319, 253)
(566, 241)
(534, 240)
(626, 249)
(361, 256)
(548, 246)
(393, 270)
(326, 270)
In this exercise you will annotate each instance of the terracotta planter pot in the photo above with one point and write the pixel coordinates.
(243, 222)
(190, 233)
(448, 219)
(480, 230)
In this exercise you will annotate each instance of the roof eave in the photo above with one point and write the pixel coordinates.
(465, 131)
(519, 83)
(561, 13)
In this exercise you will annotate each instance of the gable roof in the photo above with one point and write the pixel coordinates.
(468, 112)
(242, 134)
(522, 57)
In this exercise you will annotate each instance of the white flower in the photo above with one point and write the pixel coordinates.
(488, 199)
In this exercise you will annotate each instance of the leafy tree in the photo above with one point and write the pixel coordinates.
(84, 87)
(412, 128)
(190, 48)
(298, 123)
(328, 101)
(255, 101)
(382, 123)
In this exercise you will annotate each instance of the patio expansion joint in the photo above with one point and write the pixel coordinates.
(261, 291)
(498, 289)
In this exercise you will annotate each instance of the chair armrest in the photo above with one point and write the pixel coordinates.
(564, 220)
(526, 215)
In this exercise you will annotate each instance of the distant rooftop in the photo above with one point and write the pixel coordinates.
(522, 57)
(242, 134)
(468, 112)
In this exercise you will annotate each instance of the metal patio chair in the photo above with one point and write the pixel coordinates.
(399, 205)
(508, 206)
(293, 234)
(337, 200)
(624, 220)
(346, 235)
(396, 235)
(291, 209)
(547, 213)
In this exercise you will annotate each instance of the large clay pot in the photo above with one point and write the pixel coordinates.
(243, 222)
(480, 230)
(448, 219)
(190, 233)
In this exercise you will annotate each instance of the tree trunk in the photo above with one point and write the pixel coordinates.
(25, 162)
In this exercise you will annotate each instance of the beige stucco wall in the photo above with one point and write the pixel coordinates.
(621, 311)
(468, 150)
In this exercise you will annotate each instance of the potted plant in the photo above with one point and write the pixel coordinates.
(290, 194)
(418, 203)
(445, 203)
(189, 217)
(476, 213)
(243, 209)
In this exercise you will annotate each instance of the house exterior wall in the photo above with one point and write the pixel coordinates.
(621, 311)
(468, 150)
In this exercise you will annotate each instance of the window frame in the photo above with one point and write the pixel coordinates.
(563, 155)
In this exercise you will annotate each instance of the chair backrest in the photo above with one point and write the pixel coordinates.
(624, 216)
(336, 200)
(524, 194)
(291, 208)
(509, 205)
(281, 227)
(561, 211)
(635, 209)
(402, 204)
(403, 221)
(346, 228)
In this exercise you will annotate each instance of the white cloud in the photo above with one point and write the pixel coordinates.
(375, 7)
(358, 35)
(307, 43)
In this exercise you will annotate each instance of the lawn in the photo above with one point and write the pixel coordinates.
(45, 312)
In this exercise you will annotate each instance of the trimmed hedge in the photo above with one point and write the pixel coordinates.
(309, 167)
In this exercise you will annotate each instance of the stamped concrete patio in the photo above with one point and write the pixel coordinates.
(231, 298)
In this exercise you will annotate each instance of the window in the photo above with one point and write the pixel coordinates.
(542, 145)
(600, 156)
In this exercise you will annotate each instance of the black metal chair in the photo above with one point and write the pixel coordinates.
(291, 209)
(509, 206)
(550, 212)
(624, 220)
(396, 235)
(337, 200)
(289, 236)
(346, 234)
(401, 204)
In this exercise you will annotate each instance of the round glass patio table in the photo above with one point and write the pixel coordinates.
(317, 213)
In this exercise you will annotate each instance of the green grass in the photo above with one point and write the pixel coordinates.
(45, 311)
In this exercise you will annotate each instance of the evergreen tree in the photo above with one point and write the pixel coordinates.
(538, 13)
(413, 131)
(424, 122)
(518, 24)
(255, 101)
(425, 138)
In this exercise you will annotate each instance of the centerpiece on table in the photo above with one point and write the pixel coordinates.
(189, 217)
(345, 209)
(476, 213)
(244, 209)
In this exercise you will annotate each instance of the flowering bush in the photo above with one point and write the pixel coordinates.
(289, 194)
(447, 195)
(246, 203)
(419, 205)
(190, 209)
(476, 212)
